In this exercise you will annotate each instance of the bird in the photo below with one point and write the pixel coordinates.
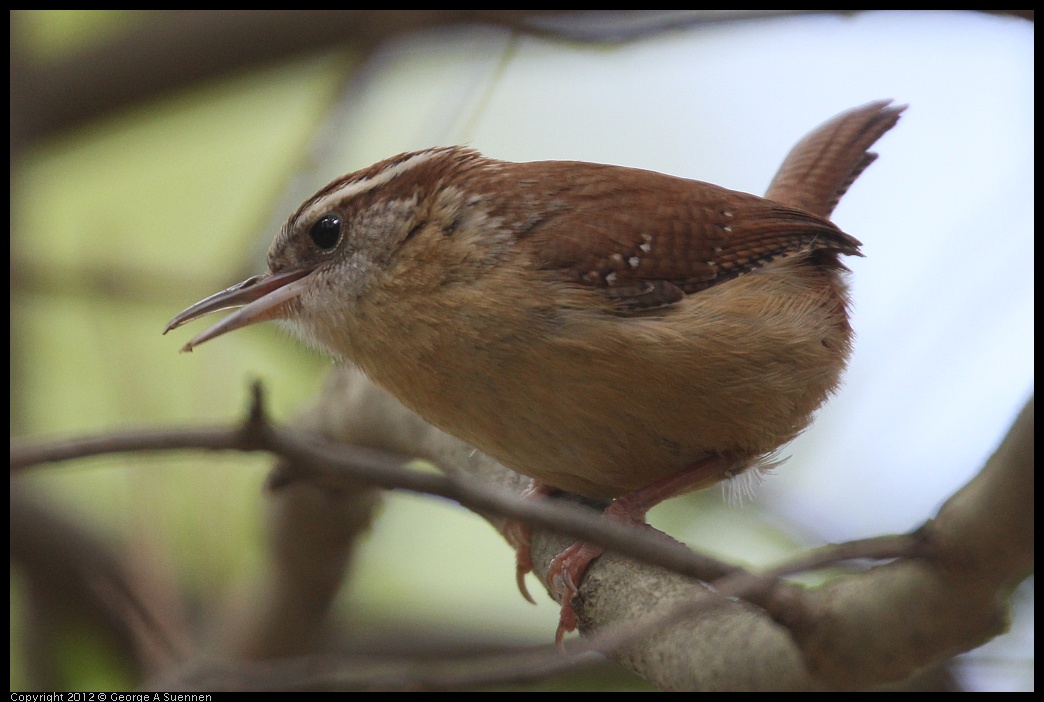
(608, 331)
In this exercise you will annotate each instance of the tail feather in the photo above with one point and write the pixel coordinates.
(819, 169)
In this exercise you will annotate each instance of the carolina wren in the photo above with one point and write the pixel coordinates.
(608, 331)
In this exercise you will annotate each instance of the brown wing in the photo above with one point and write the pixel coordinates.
(646, 240)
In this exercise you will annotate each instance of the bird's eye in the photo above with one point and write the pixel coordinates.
(326, 231)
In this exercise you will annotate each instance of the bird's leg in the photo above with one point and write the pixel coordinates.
(567, 569)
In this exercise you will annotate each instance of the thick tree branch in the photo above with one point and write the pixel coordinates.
(916, 610)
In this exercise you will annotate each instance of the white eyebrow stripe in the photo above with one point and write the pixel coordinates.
(358, 187)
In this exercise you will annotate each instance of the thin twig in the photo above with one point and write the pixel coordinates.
(333, 465)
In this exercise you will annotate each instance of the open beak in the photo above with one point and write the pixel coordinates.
(259, 298)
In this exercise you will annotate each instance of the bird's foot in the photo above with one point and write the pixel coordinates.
(517, 534)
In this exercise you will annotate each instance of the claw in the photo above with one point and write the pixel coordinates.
(564, 576)
(523, 565)
(566, 623)
(517, 534)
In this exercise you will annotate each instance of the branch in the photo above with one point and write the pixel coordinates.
(944, 593)
(165, 51)
(947, 594)
(337, 467)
